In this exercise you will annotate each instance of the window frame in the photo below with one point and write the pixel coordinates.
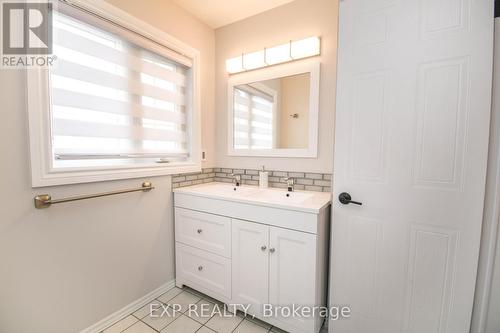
(38, 101)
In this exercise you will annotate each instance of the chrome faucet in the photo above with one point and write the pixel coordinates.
(289, 183)
(236, 179)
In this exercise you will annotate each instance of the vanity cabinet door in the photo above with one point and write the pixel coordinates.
(292, 271)
(250, 270)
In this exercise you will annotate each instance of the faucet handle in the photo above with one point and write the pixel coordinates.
(289, 183)
(236, 179)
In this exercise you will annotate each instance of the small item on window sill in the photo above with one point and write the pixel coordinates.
(294, 115)
(162, 160)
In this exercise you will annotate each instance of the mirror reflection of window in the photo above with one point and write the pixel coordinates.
(272, 114)
(253, 118)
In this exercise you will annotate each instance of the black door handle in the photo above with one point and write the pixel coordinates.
(345, 198)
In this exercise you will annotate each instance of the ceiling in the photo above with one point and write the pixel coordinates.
(217, 13)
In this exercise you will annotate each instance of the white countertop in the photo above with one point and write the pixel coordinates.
(305, 201)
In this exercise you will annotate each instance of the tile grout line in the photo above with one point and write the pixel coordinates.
(135, 322)
(154, 329)
(202, 297)
(182, 314)
(167, 306)
(238, 323)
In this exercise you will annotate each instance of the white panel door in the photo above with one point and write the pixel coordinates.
(292, 271)
(412, 121)
(250, 272)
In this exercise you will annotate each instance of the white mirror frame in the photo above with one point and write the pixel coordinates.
(269, 73)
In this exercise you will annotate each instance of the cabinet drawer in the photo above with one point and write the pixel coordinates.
(202, 269)
(204, 231)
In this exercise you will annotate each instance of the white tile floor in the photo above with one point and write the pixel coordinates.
(165, 320)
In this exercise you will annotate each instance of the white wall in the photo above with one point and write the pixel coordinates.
(64, 268)
(299, 19)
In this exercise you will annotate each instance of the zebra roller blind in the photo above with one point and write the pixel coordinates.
(114, 100)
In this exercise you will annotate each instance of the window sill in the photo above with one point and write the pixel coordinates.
(67, 177)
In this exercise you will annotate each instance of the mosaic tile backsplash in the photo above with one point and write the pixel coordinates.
(319, 182)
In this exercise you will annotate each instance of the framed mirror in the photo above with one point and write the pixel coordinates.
(274, 111)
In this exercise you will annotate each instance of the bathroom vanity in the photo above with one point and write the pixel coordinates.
(251, 246)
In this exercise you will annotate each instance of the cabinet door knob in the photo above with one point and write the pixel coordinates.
(263, 247)
(272, 250)
(200, 268)
(199, 231)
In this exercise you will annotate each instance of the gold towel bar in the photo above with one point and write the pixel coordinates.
(45, 200)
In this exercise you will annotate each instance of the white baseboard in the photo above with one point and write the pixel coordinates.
(128, 309)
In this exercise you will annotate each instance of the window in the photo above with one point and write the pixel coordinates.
(253, 118)
(118, 101)
(113, 102)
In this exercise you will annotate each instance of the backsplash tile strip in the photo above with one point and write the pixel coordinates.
(319, 182)
(206, 176)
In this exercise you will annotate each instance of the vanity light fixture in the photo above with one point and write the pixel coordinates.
(293, 50)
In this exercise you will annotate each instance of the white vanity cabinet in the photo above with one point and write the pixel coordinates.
(240, 250)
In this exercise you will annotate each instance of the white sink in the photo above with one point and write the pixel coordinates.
(228, 189)
(306, 201)
(231, 189)
(282, 196)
